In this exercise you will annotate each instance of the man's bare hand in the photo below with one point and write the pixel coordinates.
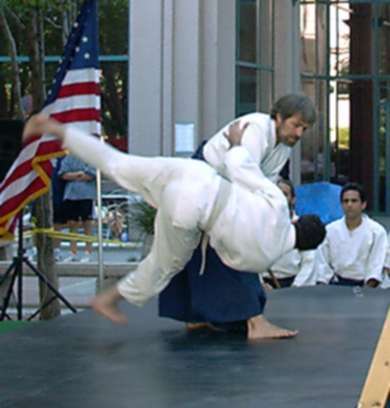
(235, 132)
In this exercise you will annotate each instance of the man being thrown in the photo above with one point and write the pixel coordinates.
(245, 217)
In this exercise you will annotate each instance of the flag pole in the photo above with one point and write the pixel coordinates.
(100, 227)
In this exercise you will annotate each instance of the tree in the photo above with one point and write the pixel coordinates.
(36, 29)
(33, 29)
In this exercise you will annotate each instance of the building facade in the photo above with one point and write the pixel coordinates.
(174, 71)
(194, 65)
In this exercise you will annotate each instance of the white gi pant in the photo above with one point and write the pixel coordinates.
(182, 204)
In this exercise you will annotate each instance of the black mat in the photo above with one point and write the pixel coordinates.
(85, 361)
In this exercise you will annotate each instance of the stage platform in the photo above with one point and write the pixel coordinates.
(85, 361)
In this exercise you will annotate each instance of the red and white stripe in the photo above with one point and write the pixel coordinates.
(78, 103)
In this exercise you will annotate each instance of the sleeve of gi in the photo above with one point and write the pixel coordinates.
(254, 140)
(240, 168)
(307, 273)
(376, 258)
(322, 263)
(387, 259)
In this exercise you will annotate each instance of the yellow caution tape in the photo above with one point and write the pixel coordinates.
(71, 236)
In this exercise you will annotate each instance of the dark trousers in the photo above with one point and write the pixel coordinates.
(220, 295)
(283, 282)
(347, 282)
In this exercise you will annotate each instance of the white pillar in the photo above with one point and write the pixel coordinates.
(218, 62)
(287, 64)
(181, 70)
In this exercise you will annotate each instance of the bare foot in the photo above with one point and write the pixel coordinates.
(106, 304)
(201, 326)
(260, 328)
(196, 326)
(40, 124)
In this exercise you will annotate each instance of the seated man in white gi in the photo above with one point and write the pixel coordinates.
(354, 250)
(246, 219)
(296, 268)
(386, 269)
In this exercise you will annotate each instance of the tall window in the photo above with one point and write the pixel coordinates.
(255, 50)
(346, 69)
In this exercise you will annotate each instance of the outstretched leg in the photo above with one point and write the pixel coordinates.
(147, 176)
(172, 248)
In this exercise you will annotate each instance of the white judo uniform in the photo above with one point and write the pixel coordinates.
(358, 254)
(386, 278)
(298, 264)
(260, 141)
(247, 219)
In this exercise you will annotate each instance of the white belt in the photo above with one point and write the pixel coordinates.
(219, 205)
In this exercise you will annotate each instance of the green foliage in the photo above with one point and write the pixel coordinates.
(113, 22)
(142, 216)
(344, 138)
(57, 16)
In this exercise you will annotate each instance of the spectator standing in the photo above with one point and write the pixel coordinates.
(79, 195)
(57, 189)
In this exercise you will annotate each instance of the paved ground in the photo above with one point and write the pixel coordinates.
(77, 290)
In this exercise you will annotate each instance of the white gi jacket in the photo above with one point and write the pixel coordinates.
(299, 264)
(358, 254)
(255, 221)
(386, 278)
(259, 139)
(296, 263)
(251, 231)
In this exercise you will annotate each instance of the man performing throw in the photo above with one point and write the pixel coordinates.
(245, 217)
(222, 298)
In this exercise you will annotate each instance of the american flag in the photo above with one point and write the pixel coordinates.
(73, 98)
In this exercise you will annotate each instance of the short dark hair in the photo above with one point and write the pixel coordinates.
(354, 187)
(288, 183)
(289, 105)
(310, 232)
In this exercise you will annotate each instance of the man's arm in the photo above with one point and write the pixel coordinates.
(322, 263)
(254, 139)
(376, 259)
(307, 275)
(68, 173)
(239, 165)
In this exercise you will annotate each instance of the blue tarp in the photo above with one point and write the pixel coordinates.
(321, 198)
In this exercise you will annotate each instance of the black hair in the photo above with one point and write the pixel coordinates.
(310, 232)
(354, 187)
